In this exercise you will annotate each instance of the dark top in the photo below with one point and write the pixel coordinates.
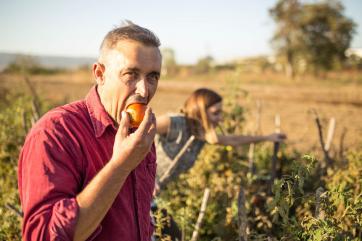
(169, 145)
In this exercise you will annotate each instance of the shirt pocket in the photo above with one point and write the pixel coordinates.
(151, 170)
(146, 175)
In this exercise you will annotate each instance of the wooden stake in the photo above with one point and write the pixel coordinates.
(327, 159)
(256, 131)
(201, 214)
(36, 113)
(175, 161)
(341, 144)
(318, 213)
(24, 122)
(242, 217)
(15, 210)
(331, 129)
(275, 154)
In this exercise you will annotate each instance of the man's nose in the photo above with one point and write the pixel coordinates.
(142, 88)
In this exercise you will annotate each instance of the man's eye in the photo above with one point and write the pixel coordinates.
(152, 78)
(131, 74)
(129, 77)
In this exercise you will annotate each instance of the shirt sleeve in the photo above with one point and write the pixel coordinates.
(49, 180)
(176, 128)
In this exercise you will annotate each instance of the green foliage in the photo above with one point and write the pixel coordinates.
(287, 214)
(29, 65)
(311, 36)
(354, 61)
(15, 119)
(13, 108)
(204, 65)
(327, 34)
(169, 65)
(293, 211)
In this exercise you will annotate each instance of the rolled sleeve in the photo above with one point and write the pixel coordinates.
(176, 128)
(49, 181)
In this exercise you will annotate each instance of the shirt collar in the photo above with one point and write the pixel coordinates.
(99, 117)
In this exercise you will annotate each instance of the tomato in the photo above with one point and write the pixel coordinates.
(136, 112)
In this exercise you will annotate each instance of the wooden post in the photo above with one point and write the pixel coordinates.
(275, 154)
(36, 113)
(201, 214)
(256, 131)
(183, 226)
(242, 217)
(341, 144)
(327, 159)
(11, 207)
(175, 161)
(318, 213)
(251, 158)
(24, 122)
(331, 129)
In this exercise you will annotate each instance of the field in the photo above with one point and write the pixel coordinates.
(292, 100)
(306, 202)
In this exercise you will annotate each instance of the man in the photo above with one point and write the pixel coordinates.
(82, 174)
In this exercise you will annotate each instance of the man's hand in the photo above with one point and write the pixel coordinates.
(130, 149)
(277, 137)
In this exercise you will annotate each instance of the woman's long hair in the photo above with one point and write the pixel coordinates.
(195, 109)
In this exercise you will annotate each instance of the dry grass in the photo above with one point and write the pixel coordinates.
(292, 100)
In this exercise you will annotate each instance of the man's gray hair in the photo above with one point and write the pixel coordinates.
(129, 31)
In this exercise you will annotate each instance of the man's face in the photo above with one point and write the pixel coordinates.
(131, 74)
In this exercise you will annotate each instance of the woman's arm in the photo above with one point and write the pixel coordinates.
(163, 124)
(236, 140)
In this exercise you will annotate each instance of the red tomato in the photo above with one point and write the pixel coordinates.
(136, 112)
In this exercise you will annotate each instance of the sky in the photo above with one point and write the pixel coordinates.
(225, 30)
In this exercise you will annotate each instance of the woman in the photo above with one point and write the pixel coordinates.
(181, 137)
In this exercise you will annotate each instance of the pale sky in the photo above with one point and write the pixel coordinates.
(223, 29)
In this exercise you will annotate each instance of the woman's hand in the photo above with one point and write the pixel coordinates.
(211, 136)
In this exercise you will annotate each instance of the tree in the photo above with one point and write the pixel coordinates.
(317, 34)
(204, 65)
(286, 13)
(327, 34)
(26, 64)
(169, 65)
(22, 64)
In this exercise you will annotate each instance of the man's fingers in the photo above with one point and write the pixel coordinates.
(146, 122)
(153, 128)
(123, 125)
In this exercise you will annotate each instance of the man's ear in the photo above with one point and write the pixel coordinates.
(98, 72)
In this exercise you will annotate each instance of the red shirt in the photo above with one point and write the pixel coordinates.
(61, 155)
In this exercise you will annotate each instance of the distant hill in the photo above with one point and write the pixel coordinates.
(49, 61)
